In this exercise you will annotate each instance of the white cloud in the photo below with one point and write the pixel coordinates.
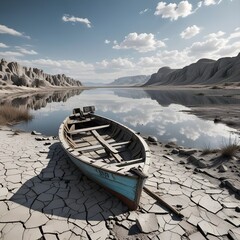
(175, 58)
(116, 63)
(150, 62)
(142, 42)
(215, 35)
(6, 30)
(76, 69)
(190, 133)
(67, 18)
(216, 45)
(144, 11)
(173, 10)
(235, 34)
(208, 46)
(10, 54)
(2, 45)
(107, 41)
(211, 2)
(190, 32)
(66, 64)
(213, 46)
(25, 51)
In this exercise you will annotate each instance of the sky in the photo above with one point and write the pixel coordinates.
(102, 40)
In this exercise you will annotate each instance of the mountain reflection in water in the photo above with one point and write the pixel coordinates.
(151, 112)
(39, 100)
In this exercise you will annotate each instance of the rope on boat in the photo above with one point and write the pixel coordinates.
(160, 200)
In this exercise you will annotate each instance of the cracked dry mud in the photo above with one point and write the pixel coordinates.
(44, 196)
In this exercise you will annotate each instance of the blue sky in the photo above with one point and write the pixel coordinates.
(102, 40)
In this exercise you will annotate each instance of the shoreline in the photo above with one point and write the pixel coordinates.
(15, 91)
(228, 114)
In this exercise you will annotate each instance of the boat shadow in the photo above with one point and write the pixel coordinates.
(61, 190)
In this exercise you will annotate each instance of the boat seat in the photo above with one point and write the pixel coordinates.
(108, 148)
(87, 129)
(103, 142)
(99, 146)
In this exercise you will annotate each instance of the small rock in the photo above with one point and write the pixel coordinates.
(222, 168)
(201, 164)
(237, 209)
(175, 151)
(171, 145)
(197, 162)
(147, 223)
(217, 120)
(234, 185)
(35, 133)
(187, 151)
(152, 139)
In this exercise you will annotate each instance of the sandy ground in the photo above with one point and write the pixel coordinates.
(44, 196)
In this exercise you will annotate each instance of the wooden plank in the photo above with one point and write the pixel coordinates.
(130, 162)
(70, 141)
(160, 200)
(103, 142)
(76, 121)
(88, 129)
(117, 157)
(99, 146)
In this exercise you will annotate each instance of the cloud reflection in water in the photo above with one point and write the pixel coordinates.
(136, 109)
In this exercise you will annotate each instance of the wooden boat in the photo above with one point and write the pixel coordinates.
(107, 152)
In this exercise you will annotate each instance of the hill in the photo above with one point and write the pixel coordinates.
(12, 73)
(130, 80)
(204, 71)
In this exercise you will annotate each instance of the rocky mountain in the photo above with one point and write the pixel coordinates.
(130, 81)
(13, 73)
(204, 71)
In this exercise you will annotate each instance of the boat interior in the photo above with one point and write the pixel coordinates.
(102, 139)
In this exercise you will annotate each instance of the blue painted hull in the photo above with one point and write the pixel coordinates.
(124, 187)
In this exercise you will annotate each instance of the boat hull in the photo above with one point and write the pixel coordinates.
(118, 178)
(126, 188)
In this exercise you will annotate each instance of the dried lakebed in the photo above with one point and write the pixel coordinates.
(44, 196)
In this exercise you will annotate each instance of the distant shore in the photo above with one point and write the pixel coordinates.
(14, 90)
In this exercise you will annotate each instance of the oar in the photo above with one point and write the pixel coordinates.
(157, 197)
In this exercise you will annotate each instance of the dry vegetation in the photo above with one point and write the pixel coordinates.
(11, 115)
(228, 150)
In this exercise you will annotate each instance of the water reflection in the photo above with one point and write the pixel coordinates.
(158, 113)
(182, 97)
(39, 100)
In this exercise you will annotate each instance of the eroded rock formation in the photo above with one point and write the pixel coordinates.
(13, 73)
(204, 71)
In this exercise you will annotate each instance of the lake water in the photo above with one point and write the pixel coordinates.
(156, 113)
